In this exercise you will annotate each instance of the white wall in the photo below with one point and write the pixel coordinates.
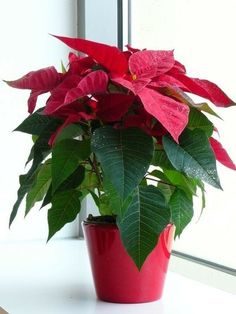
(203, 35)
(25, 46)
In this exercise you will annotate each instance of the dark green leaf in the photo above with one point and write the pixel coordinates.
(198, 120)
(48, 197)
(41, 149)
(181, 207)
(143, 222)
(26, 182)
(66, 156)
(125, 156)
(39, 189)
(36, 123)
(193, 156)
(160, 159)
(72, 182)
(65, 208)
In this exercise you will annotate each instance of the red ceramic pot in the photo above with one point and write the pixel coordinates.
(115, 275)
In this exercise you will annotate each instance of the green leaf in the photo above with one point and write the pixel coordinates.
(178, 94)
(181, 207)
(26, 182)
(90, 181)
(178, 179)
(38, 152)
(125, 156)
(104, 205)
(206, 108)
(115, 204)
(160, 159)
(48, 197)
(198, 120)
(40, 187)
(65, 208)
(200, 184)
(66, 156)
(34, 138)
(63, 69)
(72, 182)
(159, 175)
(166, 190)
(71, 131)
(36, 123)
(143, 222)
(95, 198)
(193, 156)
(41, 149)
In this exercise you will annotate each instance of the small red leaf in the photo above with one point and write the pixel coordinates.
(221, 154)
(131, 49)
(166, 80)
(205, 89)
(110, 57)
(178, 68)
(151, 63)
(142, 119)
(79, 65)
(171, 114)
(134, 86)
(33, 100)
(41, 80)
(112, 107)
(58, 94)
(125, 83)
(92, 83)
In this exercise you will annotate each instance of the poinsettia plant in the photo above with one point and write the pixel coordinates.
(121, 126)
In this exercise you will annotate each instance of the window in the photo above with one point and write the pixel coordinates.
(26, 45)
(201, 33)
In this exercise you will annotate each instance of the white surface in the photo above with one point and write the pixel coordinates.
(200, 32)
(55, 279)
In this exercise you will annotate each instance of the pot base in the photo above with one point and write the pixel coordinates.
(115, 275)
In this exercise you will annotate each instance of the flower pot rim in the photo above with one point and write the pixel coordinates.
(107, 224)
(99, 221)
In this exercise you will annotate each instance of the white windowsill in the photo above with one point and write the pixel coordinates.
(56, 279)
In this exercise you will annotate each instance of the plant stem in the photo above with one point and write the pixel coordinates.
(95, 168)
(159, 181)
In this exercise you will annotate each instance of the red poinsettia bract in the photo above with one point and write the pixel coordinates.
(146, 71)
(114, 82)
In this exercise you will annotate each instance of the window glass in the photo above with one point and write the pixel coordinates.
(25, 46)
(202, 35)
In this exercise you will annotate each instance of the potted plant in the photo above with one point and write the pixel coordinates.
(122, 127)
